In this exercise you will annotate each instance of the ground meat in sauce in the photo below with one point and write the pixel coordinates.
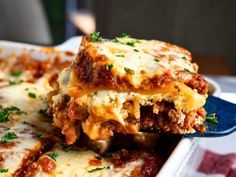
(48, 165)
(167, 120)
(122, 157)
(27, 166)
(150, 167)
(35, 69)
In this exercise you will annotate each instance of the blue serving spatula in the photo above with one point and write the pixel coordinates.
(226, 116)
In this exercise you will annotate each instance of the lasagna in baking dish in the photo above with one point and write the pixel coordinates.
(31, 147)
(127, 86)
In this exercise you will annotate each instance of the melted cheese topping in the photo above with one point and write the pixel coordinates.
(27, 126)
(144, 58)
(26, 142)
(18, 95)
(77, 163)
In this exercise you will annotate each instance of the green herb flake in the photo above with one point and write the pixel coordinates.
(157, 60)
(124, 35)
(184, 58)
(211, 118)
(16, 73)
(67, 148)
(204, 126)
(120, 56)
(99, 168)
(15, 82)
(116, 40)
(32, 95)
(5, 113)
(131, 43)
(53, 155)
(3, 170)
(96, 37)
(128, 70)
(108, 67)
(7, 137)
(6, 129)
(136, 50)
(185, 69)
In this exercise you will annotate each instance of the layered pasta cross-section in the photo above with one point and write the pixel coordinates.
(127, 86)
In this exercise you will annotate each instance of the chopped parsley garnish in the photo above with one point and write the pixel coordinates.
(53, 155)
(131, 43)
(116, 40)
(204, 126)
(96, 37)
(8, 136)
(184, 58)
(120, 55)
(67, 148)
(211, 118)
(108, 67)
(32, 95)
(3, 170)
(128, 70)
(15, 82)
(99, 168)
(124, 35)
(16, 73)
(6, 129)
(5, 113)
(185, 69)
(156, 59)
(136, 50)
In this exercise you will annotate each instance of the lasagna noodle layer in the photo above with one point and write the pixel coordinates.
(97, 109)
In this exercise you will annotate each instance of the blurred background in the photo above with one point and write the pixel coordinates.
(205, 27)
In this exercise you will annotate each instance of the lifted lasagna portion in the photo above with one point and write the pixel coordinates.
(127, 85)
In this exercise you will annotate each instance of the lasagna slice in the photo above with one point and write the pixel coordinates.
(127, 85)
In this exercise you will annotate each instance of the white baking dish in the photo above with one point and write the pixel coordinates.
(184, 148)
